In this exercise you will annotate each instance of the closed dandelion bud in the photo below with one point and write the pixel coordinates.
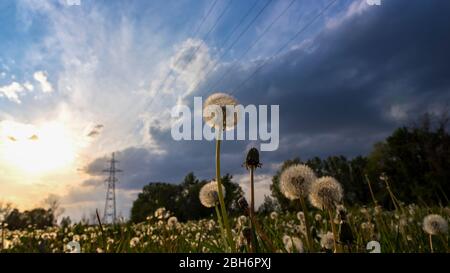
(345, 233)
(252, 160)
(243, 205)
(314, 234)
(247, 233)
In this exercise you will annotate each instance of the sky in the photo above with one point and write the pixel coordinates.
(79, 81)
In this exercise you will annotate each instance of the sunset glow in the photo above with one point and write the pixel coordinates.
(36, 149)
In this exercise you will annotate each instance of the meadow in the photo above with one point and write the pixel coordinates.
(396, 231)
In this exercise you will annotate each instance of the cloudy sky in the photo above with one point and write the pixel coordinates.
(78, 82)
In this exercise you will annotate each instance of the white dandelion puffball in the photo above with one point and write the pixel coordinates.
(209, 195)
(216, 113)
(172, 221)
(292, 244)
(296, 180)
(301, 216)
(159, 213)
(327, 241)
(326, 193)
(273, 215)
(435, 224)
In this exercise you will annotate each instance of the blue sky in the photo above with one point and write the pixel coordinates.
(347, 81)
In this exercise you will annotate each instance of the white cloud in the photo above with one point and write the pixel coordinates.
(262, 186)
(42, 78)
(12, 91)
(28, 86)
(354, 9)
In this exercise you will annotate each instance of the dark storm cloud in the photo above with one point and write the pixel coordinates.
(336, 95)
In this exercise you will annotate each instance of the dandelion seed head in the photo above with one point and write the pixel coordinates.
(134, 242)
(318, 217)
(435, 224)
(296, 180)
(209, 195)
(211, 112)
(172, 221)
(273, 215)
(326, 193)
(160, 212)
(327, 240)
(293, 244)
(301, 216)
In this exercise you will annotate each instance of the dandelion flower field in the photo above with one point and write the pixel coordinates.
(396, 231)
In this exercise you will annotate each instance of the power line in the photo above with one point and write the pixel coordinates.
(285, 45)
(193, 35)
(204, 38)
(236, 40)
(240, 22)
(254, 43)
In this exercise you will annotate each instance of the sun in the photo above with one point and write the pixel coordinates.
(37, 149)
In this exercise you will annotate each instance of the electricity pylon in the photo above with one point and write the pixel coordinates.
(109, 215)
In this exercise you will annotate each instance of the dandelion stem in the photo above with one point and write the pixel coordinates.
(307, 224)
(101, 229)
(222, 231)
(252, 192)
(253, 246)
(333, 229)
(3, 236)
(431, 243)
(221, 200)
(371, 191)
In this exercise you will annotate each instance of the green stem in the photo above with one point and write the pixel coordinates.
(3, 236)
(221, 199)
(253, 247)
(431, 243)
(222, 231)
(307, 225)
(371, 192)
(333, 229)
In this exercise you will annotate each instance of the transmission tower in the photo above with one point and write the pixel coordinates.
(109, 215)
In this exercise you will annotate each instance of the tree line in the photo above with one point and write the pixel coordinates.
(414, 161)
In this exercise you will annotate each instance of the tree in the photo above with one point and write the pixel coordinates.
(416, 161)
(65, 222)
(154, 196)
(38, 217)
(5, 209)
(268, 205)
(52, 203)
(182, 200)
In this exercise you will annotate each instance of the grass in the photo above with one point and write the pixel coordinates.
(396, 231)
